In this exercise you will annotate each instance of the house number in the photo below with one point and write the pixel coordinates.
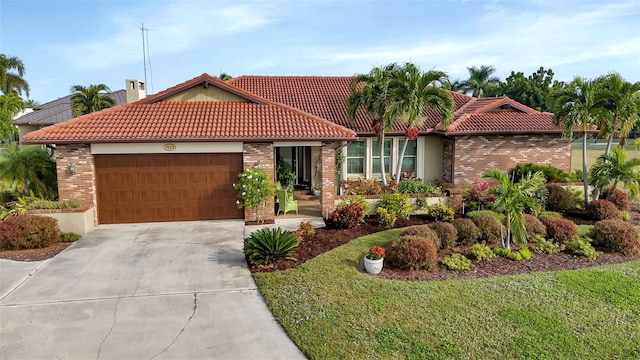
(169, 147)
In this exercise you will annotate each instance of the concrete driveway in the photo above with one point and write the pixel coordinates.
(141, 291)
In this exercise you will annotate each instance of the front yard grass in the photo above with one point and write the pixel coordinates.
(333, 311)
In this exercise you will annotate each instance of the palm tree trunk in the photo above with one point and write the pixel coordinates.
(508, 231)
(383, 172)
(584, 164)
(596, 191)
(401, 159)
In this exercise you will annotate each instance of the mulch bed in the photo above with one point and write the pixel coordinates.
(34, 254)
(326, 239)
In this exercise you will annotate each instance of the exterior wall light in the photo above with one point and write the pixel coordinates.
(258, 165)
(72, 169)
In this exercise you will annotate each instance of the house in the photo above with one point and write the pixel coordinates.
(59, 110)
(174, 156)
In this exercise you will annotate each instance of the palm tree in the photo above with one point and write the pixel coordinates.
(615, 168)
(28, 168)
(86, 100)
(481, 82)
(414, 92)
(623, 108)
(10, 105)
(31, 104)
(224, 77)
(372, 93)
(579, 103)
(12, 82)
(512, 199)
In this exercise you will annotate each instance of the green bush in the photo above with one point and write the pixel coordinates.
(446, 232)
(561, 230)
(413, 253)
(69, 237)
(385, 218)
(421, 203)
(357, 199)
(424, 231)
(347, 217)
(49, 204)
(491, 229)
(551, 173)
(577, 192)
(416, 186)
(473, 215)
(549, 214)
(541, 245)
(468, 232)
(520, 255)
(456, 262)
(270, 246)
(534, 227)
(482, 252)
(439, 212)
(616, 235)
(603, 210)
(619, 197)
(581, 247)
(28, 232)
(396, 203)
(559, 199)
(8, 196)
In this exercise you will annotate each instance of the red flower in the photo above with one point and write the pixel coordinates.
(376, 252)
(411, 133)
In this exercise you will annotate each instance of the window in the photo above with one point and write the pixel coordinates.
(355, 158)
(409, 160)
(376, 155)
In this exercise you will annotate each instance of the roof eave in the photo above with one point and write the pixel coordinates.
(178, 140)
(501, 132)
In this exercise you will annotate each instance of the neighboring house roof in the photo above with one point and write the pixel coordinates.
(326, 97)
(152, 119)
(59, 110)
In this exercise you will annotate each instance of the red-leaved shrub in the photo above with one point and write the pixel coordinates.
(446, 232)
(559, 199)
(423, 231)
(616, 235)
(413, 253)
(619, 198)
(28, 232)
(468, 232)
(478, 192)
(534, 227)
(347, 217)
(561, 230)
(360, 187)
(603, 210)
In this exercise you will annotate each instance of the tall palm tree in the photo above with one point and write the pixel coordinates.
(511, 200)
(615, 168)
(12, 82)
(86, 100)
(28, 168)
(10, 105)
(579, 104)
(31, 104)
(623, 108)
(481, 81)
(413, 93)
(372, 93)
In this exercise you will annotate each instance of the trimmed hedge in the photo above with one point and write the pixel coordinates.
(491, 229)
(561, 230)
(28, 232)
(603, 210)
(413, 253)
(534, 227)
(616, 235)
(446, 232)
(468, 232)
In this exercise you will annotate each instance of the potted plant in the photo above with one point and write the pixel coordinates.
(373, 261)
(254, 191)
(316, 191)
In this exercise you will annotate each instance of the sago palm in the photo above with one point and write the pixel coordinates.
(86, 100)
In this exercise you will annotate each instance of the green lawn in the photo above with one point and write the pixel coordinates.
(593, 151)
(332, 311)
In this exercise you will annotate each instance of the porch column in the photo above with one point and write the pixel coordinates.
(328, 175)
(81, 185)
(260, 154)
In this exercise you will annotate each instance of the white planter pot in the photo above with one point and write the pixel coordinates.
(373, 266)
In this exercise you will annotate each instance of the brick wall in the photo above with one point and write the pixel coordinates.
(447, 160)
(82, 185)
(328, 155)
(473, 155)
(262, 154)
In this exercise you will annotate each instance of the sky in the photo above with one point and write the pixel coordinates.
(68, 42)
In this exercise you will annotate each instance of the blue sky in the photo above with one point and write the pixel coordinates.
(67, 42)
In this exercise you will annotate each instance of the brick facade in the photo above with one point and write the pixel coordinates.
(473, 155)
(447, 160)
(328, 174)
(82, 185)
(260, 154)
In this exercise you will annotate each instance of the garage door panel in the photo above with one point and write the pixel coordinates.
(166, 187)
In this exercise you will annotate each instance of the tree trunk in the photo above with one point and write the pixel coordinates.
(596, 191)
(584, 165)
(508, 231)
(383, 172)
(401, 159)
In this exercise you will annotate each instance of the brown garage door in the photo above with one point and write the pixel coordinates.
(166, 187)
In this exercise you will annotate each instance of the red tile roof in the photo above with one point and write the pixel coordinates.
(502, 122)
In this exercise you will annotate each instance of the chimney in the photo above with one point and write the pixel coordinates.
(135, 90)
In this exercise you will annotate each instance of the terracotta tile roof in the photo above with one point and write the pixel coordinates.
(191, 121)
(502, 122)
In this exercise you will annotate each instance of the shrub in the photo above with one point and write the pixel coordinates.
(468, 232)
(577, 192)
(581, 247)
(446, 233)
(28, 232)
(625, 215)
(396, 203)
(559, 199)
(413, 253)
(551, 173)
(423, 231)
(347, 217)
(603, 210)
(561, 230)
(522, 254)
(618, 197)
(385, 218)
(473, 215)
(534, 227)
(456, 262)
(439, 212)
(491, 229)
(482, 252)
(541, 245)
(8, 196)
(69, 237)
(421, 203)
(49, 204)
(358, 199)
(306, 228)
(361, 187)
(477, 195)
(270, 246)
(416, 186)
(616, 235)
(549, 214)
